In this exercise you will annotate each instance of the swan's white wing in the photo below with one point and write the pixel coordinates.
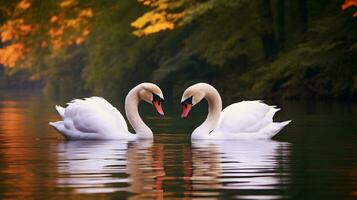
(246, 116)
(93, 115)
(109, 109)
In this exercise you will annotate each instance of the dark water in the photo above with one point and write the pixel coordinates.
(314, 158)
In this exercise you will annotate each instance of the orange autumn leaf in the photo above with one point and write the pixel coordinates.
(80, 40)
(43, 44)
(23, 5)
(10, 54)
(159, 19)
(86, 13)
(153, 22)
(56, 44)
(55, 32)
(14, 29)
(86, 32)
(67, 3)
(153, 3)
(67, 26)
(72, 23)
(26, 28)
(6, 35)
(54, 19)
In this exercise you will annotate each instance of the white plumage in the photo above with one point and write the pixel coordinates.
(91, 118)
(249, 120)
(243, 120)
(96, 119)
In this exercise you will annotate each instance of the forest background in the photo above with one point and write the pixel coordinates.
(286, 49)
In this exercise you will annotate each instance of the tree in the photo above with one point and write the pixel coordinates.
(267, 31)
(36, 27)
(302, 16)
(168, 14)
(281, 22)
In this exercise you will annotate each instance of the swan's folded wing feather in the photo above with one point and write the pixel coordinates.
(90, 117)
(108, 108)
(246, 116)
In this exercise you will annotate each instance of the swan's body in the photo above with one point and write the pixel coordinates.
(91, 118)
(246, 120)
(243, 120)
(96, 119)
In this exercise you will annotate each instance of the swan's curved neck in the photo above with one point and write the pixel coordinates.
(214, 113)
(131, 110)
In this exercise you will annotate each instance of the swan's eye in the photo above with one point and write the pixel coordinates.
(187, 101)
(156, 97)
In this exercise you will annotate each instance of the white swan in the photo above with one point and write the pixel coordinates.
(95, 118)
(243, 120)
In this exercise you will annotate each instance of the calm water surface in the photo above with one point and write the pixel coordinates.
(314, 158)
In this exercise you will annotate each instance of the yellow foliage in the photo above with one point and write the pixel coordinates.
(55, 32)
(154, 3)
(67, 3)
(43, 44)
(14, 29)
(72, 23)
(6, 35)
(25, 28)
(54, 19)
(69, 26)
(56, 43)
(86, 32)
(69, 31)
(80, 40)
(86, 13)
(10, 54)
(23, 5)
(156, 20)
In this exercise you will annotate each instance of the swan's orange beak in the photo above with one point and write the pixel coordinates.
(186, 107)
(157, 104)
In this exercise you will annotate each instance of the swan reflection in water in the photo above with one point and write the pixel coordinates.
(244, 166)
(111, 166)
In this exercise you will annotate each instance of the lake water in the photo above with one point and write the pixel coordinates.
(315, 157)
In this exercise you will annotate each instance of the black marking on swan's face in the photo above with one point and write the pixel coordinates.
(187, 101)
(186, 107)
(157, 98)
(157, 103)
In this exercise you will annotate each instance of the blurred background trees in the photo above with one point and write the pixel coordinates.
(247, 49)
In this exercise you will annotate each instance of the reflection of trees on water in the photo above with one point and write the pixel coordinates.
(234, 165)
(109, 166)
(21, 152)
(12, 127)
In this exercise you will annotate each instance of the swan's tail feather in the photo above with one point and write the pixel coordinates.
(276, 127)
(282, 124)
(59, 126)
(60, 111)
(271, 113)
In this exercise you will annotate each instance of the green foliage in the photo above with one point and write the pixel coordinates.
(322, 66)
(217, 41)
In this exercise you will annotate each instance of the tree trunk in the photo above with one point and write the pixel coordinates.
(302, 16)
(281, 22)
(267, 32)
